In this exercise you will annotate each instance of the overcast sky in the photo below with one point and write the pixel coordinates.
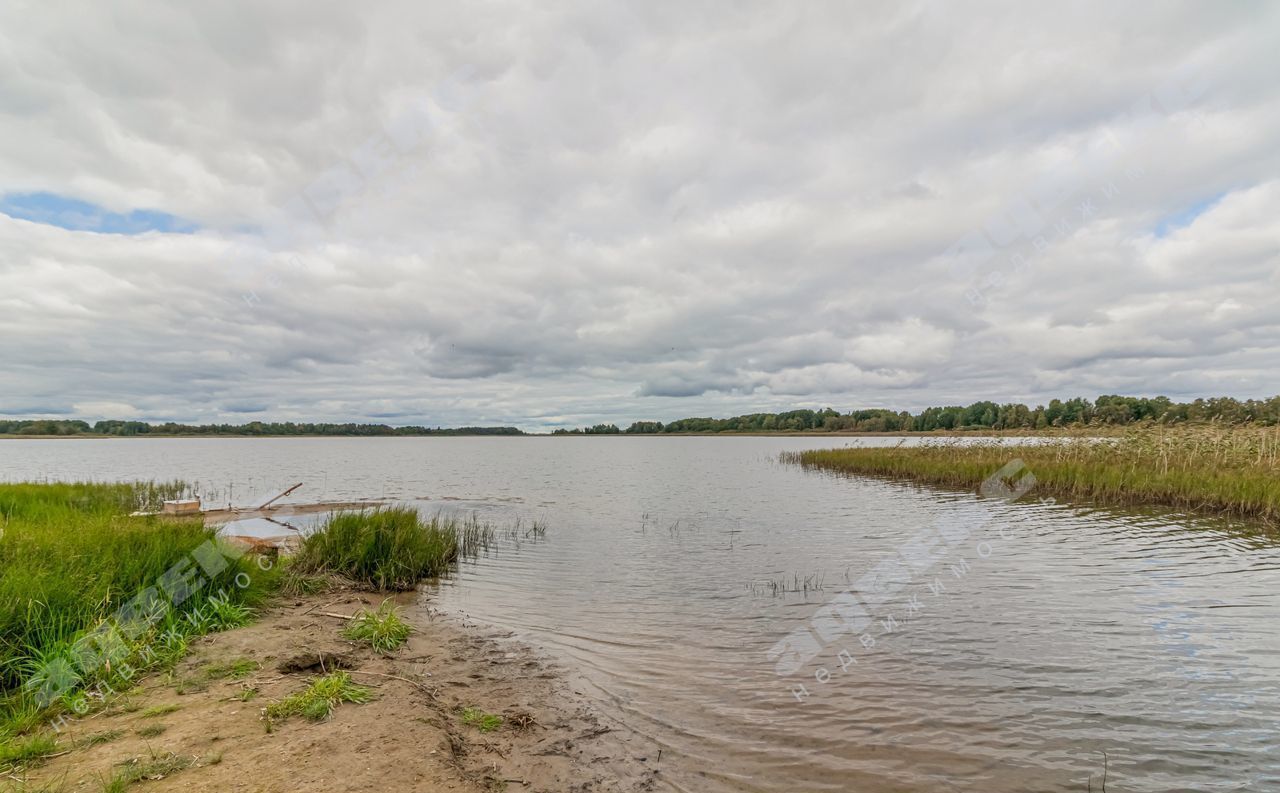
(561, 213)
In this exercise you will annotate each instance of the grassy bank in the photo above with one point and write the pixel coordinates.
(91, 597)
(1225, 470)
(71, 558)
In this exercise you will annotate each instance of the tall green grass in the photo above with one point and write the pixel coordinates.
(31, 501)
(71, 555)
(390, 548)
(1224, 470)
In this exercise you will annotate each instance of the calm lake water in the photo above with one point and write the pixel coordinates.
(1027, 640)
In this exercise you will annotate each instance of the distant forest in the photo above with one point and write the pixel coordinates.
(256, 428)
(1106, 409)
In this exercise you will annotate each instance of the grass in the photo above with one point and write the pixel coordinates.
(157, 766)
(160, 710)
(18, 715)
(1212, 469)
(151, 730)
(98, 738)
(28, 751)
(295, 583)
(71, 557)
(116, 784)
(484, 722)
(124, 704)
(318, 700)
(390, 548)
(237, 669)
(74, 562)
(22, 786)
(383, 630)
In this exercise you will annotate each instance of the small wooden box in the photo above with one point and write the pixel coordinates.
(186, 506)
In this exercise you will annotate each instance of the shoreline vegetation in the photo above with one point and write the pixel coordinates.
(1224, 470)
(72, 428)
(1104, 414)
(95, 601)
(90, 597)
(1107, 411)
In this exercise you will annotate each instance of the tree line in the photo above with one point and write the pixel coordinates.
(1108, 409)
(254, 428)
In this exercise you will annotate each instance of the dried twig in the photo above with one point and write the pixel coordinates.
(429, 691)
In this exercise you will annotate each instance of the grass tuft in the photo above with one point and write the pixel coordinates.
(383, 630)
(98, 738)
(390, 548)
(296, 583)
(484, 722)
(116, 784)
(157, 766)
(318, 700)
(237, 669)
(19, 785)
(160, 710)
(25, 752)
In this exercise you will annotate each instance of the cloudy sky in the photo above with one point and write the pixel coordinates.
(561, 213)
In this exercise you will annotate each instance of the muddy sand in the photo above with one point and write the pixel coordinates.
(207, 726)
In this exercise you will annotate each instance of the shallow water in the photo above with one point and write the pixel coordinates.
(1065, 633)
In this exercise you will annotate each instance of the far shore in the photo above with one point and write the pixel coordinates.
(1020, 433)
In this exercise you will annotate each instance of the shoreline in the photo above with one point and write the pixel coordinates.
(409, 736)
(1060, 432)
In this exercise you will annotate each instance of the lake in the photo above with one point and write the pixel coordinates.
(1022, 647)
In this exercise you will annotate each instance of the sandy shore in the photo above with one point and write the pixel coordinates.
(410, 737)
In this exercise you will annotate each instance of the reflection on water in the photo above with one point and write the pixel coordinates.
(673, 566)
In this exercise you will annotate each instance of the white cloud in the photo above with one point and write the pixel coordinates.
(587, 212)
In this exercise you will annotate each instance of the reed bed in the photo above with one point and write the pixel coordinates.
(35, 501)
(1231, 470)
(391, 548)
